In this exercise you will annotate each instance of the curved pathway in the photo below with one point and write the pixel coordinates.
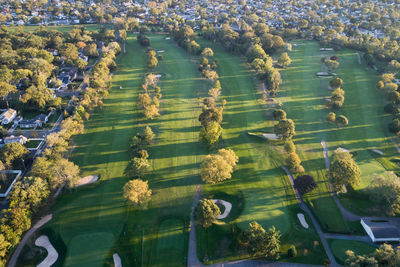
(12, 262)
(349, 216)
(193, 260)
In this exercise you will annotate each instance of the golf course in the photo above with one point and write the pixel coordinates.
(94, 221)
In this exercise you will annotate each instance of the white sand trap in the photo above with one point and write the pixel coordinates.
(87, 180)
(377, 151)
(52, 255)
(328, 100)
(160, 51)
(322, 73)
(158, 76)
(117, 260)
(271, 136)
(226, 204)
(302, 220)
(167, 38)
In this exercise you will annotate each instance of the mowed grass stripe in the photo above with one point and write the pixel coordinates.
(102, 149)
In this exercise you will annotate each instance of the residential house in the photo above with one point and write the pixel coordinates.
(8, 116)
(38, 121)
(15, 139)
(380, 230)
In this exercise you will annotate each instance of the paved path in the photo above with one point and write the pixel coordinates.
(349, 216)
(362, 238)
(304, 207)
(193, 260)
(12, 262)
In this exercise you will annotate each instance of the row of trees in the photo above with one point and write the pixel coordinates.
(384, 256)
(211, 115)
(185, 37)
(343, 170)
(137, 191)
(292, 159)
(149, 101)
(52, 170)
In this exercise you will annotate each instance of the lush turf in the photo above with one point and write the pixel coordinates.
(259, 180)
(304, 96)
(339, 248)
(99, 210)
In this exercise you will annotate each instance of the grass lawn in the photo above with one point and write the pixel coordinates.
(303, 95)
(90, 213)
(339, 248)
(32, 143)
(267, 195)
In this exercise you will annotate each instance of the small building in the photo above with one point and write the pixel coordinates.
(38, 121)
(15, 139)
(8, 116)
(380, 230)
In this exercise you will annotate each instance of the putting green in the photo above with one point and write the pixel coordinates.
(89, 249)
(339, 248)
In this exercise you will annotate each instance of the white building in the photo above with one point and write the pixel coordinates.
(8, 116)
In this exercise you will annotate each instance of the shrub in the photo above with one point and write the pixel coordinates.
(331, 117)
(289, 147)
(304, 184)
(342, 120)
(292, 252)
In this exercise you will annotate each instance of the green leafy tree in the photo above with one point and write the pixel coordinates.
(137, 167)
(285, 128)
(279, 114)
(284, 60)
(218, 167)
(289, 147)
(148, 135)
(137, 192)
(12, 153)
(384, 189)
(261, 242)
(206, 212)
(344, 170)
(210, 133)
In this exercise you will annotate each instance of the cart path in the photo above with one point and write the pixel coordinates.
(40, 223)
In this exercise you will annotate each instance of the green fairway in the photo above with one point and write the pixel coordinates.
(171, 244)
(268, 196)
(303, 95)
(103, 149)
(339, 248)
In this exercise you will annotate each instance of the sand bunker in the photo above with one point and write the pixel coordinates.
(271, 136)
(117, 260)
(87, 180)
(52, 255)
(227, 205)
(377, 151)
(160, 51)
(302, 220)
(167, 38)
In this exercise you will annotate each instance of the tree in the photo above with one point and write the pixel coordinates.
(294, 162)
(279, 114)
(331, 117)
(342, 120)
(384, 189)
(261, 242)
(285, 128)
(207, 52)
(137, 192)
(304, 184)
(137, 167)
(289, 147)
(284, 60)
(152, 62)
(5, 90)
(209, 115)
(29, 194)
(206, 212)
(151, 111)
(358, 261)
(64, 171)
(143, 100)
(11, 153)
(336, 83)
(148, 135)
(210, 133)
(218, 167)
(344, 170)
